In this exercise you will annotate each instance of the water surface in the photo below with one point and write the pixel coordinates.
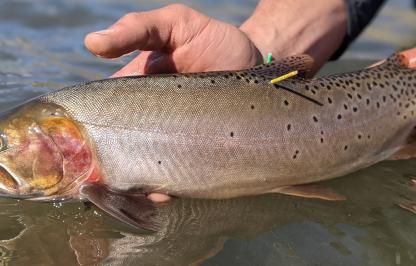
(41, 49)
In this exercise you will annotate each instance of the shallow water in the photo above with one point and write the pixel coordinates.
(41, 50)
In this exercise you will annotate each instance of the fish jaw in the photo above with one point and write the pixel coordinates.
(44, 154)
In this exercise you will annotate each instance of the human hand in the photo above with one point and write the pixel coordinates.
(174, 38)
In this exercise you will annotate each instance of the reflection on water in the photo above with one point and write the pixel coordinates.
(41, 50)
(367, 229)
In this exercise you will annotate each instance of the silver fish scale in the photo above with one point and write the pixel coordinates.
(228, 134)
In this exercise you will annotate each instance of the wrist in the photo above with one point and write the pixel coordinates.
(286, 28)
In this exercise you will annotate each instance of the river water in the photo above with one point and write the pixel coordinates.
(41, 49)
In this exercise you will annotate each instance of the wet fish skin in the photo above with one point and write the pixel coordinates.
(227, 134)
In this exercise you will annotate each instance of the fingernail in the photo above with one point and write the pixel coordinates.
(104, 32)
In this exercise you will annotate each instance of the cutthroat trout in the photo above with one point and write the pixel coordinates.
(205, 135)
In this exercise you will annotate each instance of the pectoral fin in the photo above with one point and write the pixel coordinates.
(131, 207)
(311, 191)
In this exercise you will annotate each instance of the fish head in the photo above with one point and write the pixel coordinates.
(44, 154)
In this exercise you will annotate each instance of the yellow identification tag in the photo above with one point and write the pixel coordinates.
(285, 76)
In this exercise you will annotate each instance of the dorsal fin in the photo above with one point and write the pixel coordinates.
(302, 63)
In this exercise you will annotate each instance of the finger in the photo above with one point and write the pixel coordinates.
(376, 64)
(148, 63)
(159, 198)
(131, 69)
(152, 30)
(409, 58)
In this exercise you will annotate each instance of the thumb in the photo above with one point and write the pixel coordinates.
(134, 31)
(160, 29)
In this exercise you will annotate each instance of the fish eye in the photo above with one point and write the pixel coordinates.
(3, 141)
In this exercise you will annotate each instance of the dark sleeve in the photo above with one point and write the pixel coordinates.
(360, 13)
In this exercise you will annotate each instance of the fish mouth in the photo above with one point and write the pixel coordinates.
(11, 184)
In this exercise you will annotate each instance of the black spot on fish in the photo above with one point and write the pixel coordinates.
(288, 127)
(345, 147)
(322, 140)
(296, 154)
(328, 87)
(339, 116)
(159, 162)
(367, 101)
(345, 107)
(358, 96)
(369, 136)
(359, 136)
(179, 86)
(252, 107)
(226, 76)
(355, 109)
(232, 134)
(315, 119)
(329, 100)
(256, 81)
(306, 87)
(212, 81)
(349, 95)
(238, 77)
(286, 102)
